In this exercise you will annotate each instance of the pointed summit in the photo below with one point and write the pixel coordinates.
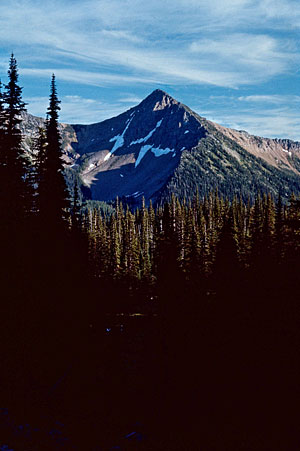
(161, 146)
(158, 100)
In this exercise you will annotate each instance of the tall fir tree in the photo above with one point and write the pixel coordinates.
(279, 229)
(2, 123)
(53, 242)
(226, 265)
(53, 194)
(14, 195)
(145, 246)
(3, 151)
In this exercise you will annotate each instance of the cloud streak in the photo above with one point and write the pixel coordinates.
(74, 107)
(187, 46)
(138, 37)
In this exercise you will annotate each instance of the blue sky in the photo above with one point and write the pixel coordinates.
(236, 62)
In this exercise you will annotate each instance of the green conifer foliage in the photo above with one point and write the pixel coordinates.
(130, 249)
(53, 193)
(226, 266)
(2, 124)
(3, 151)
(256, 232)
(145, 242)
(279, 229)
(14, 194)
(115, 248)
(268, 228)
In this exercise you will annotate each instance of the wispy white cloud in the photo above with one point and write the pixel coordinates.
(273, 99)
(74, 107)
(182, 44)
(273, 123)
(130, 99)
(272, 116)
(134, 36)
(263, 54)
(85, 77)
(121, 34)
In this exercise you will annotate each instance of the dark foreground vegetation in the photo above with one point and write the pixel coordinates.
(210, 363)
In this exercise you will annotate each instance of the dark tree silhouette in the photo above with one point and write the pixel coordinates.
(13, 192)
(53, 194)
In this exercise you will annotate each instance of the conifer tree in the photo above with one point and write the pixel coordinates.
(279, 229)
(2, 124)
(256, 226)
(115, 248)
(268, 227)
(13, 193)
(76, 209)
(192, 248)
(130, 250)
(292, 222)
(204, 250)
(152, 226)
(52, 189)
(226, 266)
(54, 243)
(145, 246)
(3, 150)
(38, 149)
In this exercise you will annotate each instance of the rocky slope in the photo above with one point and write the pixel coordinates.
(161, 146)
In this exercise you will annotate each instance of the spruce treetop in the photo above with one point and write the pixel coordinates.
(13, 95)
(54, 107)
(2, 109)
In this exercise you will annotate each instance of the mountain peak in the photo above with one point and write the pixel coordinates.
(158, 100)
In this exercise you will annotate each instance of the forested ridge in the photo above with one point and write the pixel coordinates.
(221, 278)
(198, 239)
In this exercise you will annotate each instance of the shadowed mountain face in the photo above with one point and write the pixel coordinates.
(161, 147)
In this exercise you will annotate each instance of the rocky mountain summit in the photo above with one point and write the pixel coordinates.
(161, 147)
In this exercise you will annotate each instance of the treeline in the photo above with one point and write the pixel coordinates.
(204, 245)
(223, 278)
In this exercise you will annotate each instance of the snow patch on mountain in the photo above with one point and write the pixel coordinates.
(141, 155)
(141, 140)
(119, 141)
(157, 151)
(287, 151)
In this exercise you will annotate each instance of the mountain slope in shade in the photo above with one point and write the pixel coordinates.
(161, 146)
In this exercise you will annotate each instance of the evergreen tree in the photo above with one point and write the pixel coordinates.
(226, 266)
(2, 124)
(204, 250)
(53, 241)
(13, 191)
(115, 248)
(3, 152)
(76, 209)
(268, 229)
(279, 229)
(145, 246)
(53, 194)
(292, 222)
(130, 250)
(256, 233)
(38, 150)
